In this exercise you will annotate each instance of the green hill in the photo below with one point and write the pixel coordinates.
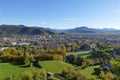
(22, 30)
(54, 66)
(8, 69)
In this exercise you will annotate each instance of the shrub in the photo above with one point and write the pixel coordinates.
(107, 76)
(27, 75)
(49, 57)
(69, 73)
(40, 75)
(86, 63)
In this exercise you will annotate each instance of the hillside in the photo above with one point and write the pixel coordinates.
(35, 30)
(21, 29)
(8, 69)
(55, 66)
(84, 29)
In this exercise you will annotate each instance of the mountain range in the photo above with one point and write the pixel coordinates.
(84, 29)
(26, 30)
(23, 30)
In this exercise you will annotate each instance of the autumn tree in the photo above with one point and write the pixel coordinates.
(115, 64)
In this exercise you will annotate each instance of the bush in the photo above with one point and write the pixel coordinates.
(27, 75)
(84, 77)
(5, 58)
(40, 75)
(69, 73)
(50, 57)
(12, 58)
(86, 63)
(107, 76)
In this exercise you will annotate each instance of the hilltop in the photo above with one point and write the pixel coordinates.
(84, 29)
(22, 30)
(36, 30)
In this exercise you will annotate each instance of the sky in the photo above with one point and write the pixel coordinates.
(61, 14)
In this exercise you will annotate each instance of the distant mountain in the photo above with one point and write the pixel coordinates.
(109, 29)
(84, 29)
(35, 30)
(21, 29)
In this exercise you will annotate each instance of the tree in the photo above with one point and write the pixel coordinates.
(102, 56)
(115, 65)
(107, 76)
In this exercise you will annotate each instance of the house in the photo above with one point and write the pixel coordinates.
(21, 44)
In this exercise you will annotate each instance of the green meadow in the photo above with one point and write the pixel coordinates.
(54, 66)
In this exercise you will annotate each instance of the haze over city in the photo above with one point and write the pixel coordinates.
(61, 14)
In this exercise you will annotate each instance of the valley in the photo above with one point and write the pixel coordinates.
(59, 56)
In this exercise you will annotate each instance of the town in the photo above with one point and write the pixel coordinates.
(81, 50)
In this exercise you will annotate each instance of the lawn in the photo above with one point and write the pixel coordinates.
(84, 54)
(54, 66)
(90, 71)
(7, 69)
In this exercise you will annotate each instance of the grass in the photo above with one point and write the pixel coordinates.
(54, 66)
(90, 71)
(8, 69)
(83, 54)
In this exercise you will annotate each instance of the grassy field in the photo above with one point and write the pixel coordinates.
(90, 71)
(83, 54)
(7, 69)
(54, 66)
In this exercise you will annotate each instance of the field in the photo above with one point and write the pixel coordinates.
(90, 71)
(7, 69)
(84, 54)
(54, 66)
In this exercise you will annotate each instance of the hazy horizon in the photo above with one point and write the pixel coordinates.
(61, 14)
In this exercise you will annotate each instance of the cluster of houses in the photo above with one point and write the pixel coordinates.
(40, 41)
(52, 41)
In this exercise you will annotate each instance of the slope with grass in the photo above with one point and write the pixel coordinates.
(54, 66)
(90, 71)
(84, 54)
(8, 69)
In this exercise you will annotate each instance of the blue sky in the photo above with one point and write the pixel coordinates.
(61, 14)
